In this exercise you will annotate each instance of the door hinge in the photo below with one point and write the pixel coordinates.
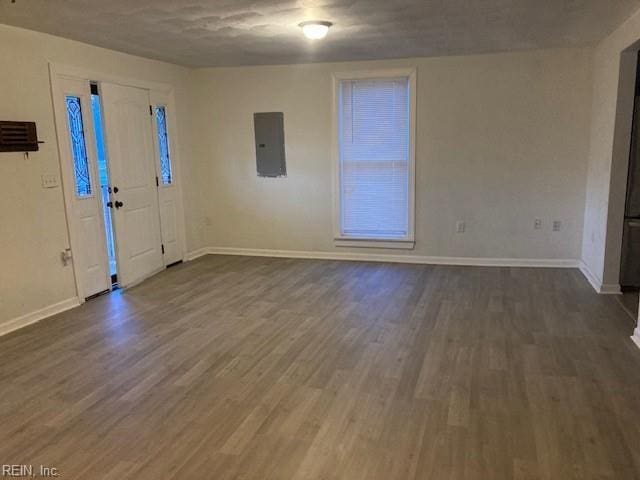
(157, 183)
(162, 248)
(150, 109)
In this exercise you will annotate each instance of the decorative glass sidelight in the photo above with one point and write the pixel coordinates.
(163, 145)
(78, 147)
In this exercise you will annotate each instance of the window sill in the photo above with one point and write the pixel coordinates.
(375, 243)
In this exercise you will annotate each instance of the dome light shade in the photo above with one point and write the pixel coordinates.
(315, 30)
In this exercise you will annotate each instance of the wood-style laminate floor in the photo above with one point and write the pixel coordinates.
(258, 368)
(629, 301)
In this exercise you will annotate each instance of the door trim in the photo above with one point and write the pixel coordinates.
(157, 90)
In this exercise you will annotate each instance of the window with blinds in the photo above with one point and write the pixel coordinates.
(374, 155)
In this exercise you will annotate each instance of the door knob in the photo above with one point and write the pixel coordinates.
(118, 204)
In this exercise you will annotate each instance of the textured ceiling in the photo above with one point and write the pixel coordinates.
(253, 32)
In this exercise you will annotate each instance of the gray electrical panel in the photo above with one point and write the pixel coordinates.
(269, 132)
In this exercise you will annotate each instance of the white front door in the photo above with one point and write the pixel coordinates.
(129, 140)
(81, 185)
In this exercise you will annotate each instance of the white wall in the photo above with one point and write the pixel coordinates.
(32, 219)
(613, 91)
(501, 139)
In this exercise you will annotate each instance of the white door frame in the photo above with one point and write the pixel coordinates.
(163, 91)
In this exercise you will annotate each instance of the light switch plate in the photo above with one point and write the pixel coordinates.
(49, 181)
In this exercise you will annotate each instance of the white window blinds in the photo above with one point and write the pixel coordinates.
(374, 158)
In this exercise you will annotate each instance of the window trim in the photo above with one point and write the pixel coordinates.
(341, 240)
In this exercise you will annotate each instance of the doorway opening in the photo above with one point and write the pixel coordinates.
(630, 255)
(103, 175)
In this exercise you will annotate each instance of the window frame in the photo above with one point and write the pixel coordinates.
(340, 240)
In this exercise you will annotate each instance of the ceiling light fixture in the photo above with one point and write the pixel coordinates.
(315, 30)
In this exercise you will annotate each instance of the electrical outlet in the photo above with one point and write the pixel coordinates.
(49, 181)
(556, 225)
(537, 224)
(460, 227)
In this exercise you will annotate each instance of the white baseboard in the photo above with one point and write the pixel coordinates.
(377, 257)
(636, 336)
(38, 315)
(610, 289)
(196, 254)
(596, 282)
